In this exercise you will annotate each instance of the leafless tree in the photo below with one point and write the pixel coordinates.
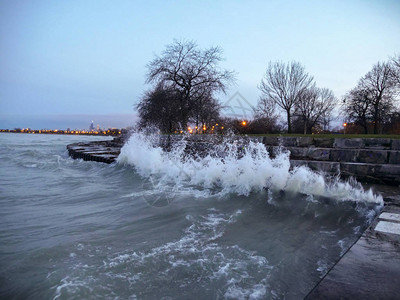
(266, 108)
(265, 117)
(284, 83)
(395, 66)
(314, 106)
(160, 107)
(194, 72)
(205, 111)
(381, 87)
(356, 107)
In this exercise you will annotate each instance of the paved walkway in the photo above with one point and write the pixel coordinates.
(371, 267)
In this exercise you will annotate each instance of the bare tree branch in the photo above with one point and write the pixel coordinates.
(194, 74)
(284, 83)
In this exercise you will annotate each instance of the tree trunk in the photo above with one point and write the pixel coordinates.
(376, 118)
(365, 125)
(289, 122)
(375, 121)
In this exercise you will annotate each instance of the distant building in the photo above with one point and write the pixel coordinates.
(91, 128)
(98, 127)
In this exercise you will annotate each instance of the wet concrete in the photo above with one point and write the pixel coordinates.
(101, 151)
(370, 269)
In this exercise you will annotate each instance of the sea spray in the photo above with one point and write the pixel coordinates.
(233, 166)
(271, 244)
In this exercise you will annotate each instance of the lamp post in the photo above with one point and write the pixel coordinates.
(344, 125)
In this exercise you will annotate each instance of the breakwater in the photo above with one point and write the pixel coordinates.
(374, 160)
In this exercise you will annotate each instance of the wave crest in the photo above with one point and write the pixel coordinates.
(233, 166)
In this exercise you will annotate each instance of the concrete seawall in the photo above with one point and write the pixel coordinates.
(103, 151)
(375, 160)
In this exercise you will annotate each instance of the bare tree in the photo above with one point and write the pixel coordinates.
(160, 107)
(315, 106)
(395, 66)
(373, 99)
(381, 88)
(266, 108)
(284, 83)
(265, 117)
(357, 107)
(205, 111)
(194, 72)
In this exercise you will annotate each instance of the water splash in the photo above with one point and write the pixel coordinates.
(233, 166)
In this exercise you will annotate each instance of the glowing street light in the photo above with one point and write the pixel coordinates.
(344, 125)
(244, 123)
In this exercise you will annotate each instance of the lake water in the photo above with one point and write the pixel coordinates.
(161, 225)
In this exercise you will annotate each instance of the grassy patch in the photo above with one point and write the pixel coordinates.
(334, 136)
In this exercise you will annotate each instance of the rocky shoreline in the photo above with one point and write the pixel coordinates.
(373, 160)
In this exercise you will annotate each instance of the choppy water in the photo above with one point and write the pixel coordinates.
(161, 226)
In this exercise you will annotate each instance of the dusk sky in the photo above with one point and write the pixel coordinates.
(66, 63)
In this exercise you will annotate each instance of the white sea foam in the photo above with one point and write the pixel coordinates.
(231, 167)
(238, 273)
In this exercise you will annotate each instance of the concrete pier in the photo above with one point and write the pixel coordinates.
(370, 269)
(103, 151)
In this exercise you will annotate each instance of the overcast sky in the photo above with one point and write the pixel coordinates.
(61, 59)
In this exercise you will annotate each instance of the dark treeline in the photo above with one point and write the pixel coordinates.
(372, 106)
(186, 80)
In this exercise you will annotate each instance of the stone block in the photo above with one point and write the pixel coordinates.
(298, 163)
(389, 174)
(298, 152)
(372, 156)
(256, 139)
(289, 141)
(357, 169)
(387, 169)
(305, 141)
(395, 144)
(271, 141)
(344, 155)
(319, 166)
(377, 143)
(349, 143)
(394, 157)
(323, 142)
(319, 153)
(325, 166)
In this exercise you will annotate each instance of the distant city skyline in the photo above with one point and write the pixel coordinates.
(61, 58)
(72, 121)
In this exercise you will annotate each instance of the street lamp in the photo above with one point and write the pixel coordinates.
(344, 125)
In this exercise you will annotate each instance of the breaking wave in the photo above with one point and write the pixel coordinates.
(233, 166)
